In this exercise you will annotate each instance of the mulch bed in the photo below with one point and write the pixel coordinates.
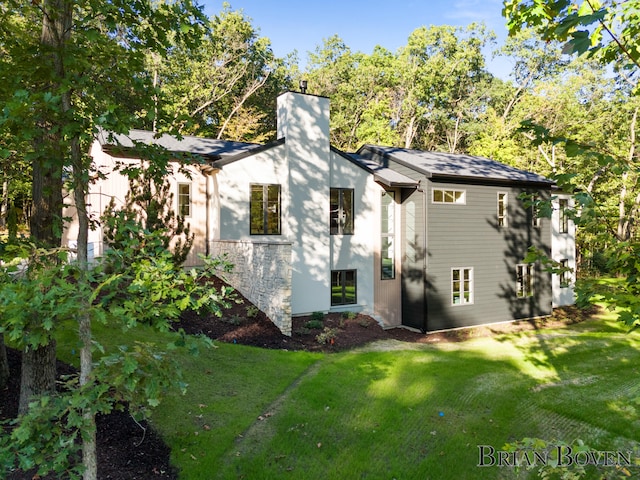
(126, 451)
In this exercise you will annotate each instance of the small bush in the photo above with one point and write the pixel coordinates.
(252, 311)
(364, 322)
(319, 316)
(328, 335)
(314, 324)
(233, 320)
(349, 315)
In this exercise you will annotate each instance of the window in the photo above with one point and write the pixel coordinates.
(503, 209)
(564, 219)
(524, 280)
(565, 274)
(184, 199)
(265, 209)
(461, 286)
(535, 212)
(449, 196)
(343, 287)
(341, 211)
(387, 223)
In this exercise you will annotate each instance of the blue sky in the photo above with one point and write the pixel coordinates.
(362, 24)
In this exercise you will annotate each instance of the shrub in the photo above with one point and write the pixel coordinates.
(252, 311)
(319, 316)
(314, 324)
(349, 315)
(328, 335)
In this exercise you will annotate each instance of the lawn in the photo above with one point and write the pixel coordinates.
(402, 410)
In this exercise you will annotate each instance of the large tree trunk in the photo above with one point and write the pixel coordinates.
(38, 373)
(39, 364)
(4, 363)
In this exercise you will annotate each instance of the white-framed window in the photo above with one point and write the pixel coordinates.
(503, 209)
(387, 234)
(524, 280)
(441, 195)
(462, 286)
(565, 274)
(536, 221)
(184, 199)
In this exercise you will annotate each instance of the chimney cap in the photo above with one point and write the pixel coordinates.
(303, 86)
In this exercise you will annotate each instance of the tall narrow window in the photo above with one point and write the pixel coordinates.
(265, 209)
(343, 287)
(387, 231)
(565, 274)
(461, 286)
(524, 280)
(564, 219)
(502, 209)
(341, 211)
(184, 199)
(535, 212)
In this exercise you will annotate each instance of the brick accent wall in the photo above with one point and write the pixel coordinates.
(262, 273)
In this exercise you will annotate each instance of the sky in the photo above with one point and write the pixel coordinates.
(303, 25)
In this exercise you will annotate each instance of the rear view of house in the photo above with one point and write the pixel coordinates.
(426, 240)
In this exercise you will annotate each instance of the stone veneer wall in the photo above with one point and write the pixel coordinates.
(262, 273)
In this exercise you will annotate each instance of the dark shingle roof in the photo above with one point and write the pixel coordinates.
(207, 147)
(449, 165)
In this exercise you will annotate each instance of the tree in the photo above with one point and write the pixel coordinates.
(213, 88)
(606, 32)
(88, 53)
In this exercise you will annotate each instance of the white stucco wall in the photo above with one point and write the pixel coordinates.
(357, 251)
(563, 247)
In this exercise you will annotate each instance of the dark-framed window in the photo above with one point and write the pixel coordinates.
(536, 220)
(387, 234)
(341, 211)
(184, 199)
(265, 209)
(563, 205)
(343, 287)
(565, 274)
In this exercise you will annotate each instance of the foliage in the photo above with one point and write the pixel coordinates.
(607, 31)
(314, 324)
(148, 208)
(252, 311)
(317, 316)
(149, 289)
(328, 335)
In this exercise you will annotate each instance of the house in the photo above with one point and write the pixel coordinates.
(421, 239)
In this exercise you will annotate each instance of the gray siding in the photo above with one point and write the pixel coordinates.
(468, 236)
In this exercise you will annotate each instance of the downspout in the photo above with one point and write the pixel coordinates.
(423, 188)
(208, 171)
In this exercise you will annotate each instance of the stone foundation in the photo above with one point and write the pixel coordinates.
(262, 273)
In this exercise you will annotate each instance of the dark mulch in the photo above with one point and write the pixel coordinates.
(127, 451)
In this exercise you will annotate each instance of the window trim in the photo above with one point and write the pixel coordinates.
(503, 220)
(265, 209)
(180, 196)
(521, 281)
(461, 290)
(343, 274)
(388, 235)
(444, 192)
(339, 229)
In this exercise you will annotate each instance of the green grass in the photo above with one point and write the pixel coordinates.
(412, 411)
